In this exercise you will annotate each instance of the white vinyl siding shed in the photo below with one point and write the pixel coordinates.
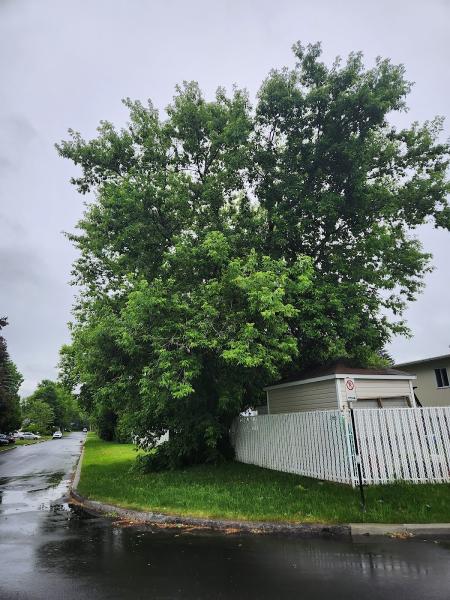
(392, 392)
(328, 393)
(320, 395)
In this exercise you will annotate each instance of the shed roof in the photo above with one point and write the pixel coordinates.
(338, 368)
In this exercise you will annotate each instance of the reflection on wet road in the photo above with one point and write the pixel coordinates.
(49, 551)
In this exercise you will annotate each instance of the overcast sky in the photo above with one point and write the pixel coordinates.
(68, 64)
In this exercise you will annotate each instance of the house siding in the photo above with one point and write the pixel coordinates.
(427, 390)
(320, 395)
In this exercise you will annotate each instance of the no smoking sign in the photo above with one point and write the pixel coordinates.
(350, 389)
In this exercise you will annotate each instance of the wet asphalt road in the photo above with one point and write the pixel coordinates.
(50, 551)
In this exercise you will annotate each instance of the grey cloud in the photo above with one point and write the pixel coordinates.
(20, 268)
(17, 128)
(9, 225)
(5, 163)
(16, 132)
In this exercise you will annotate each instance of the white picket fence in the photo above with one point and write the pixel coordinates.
(409, 444)
(315, 444)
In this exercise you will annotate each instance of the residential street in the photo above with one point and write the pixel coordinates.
(49, 551)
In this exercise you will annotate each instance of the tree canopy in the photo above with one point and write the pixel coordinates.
(10, 382)
(228, 245)
(51, 406)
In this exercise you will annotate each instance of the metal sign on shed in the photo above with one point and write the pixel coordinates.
(350, 389)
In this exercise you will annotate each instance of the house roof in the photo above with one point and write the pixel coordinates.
(424, 360)
(340, 369)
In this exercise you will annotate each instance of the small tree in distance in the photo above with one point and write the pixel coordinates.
(38, 416)
(51, 406)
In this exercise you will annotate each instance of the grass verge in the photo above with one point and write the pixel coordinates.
(43, 438)
(5, 448)
(238, 491)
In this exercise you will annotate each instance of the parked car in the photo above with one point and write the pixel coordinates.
(84, 430)
(27, 435)
(57, 435)
(3, 440)
(11, 438)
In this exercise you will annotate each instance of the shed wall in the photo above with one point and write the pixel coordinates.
(369, 389)
(320, 395)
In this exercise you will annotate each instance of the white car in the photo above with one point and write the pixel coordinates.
(27, 435)
(57, 435)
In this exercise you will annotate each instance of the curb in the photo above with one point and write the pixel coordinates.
(134, 517)
(8, 449)
(32, 443)
(13, 446)
(305, 530)
(76, 476)
(400, 530)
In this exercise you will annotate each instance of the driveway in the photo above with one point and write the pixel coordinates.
(50, 551)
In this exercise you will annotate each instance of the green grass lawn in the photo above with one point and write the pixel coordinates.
(43, 438)
(4, 448)
(237, 491)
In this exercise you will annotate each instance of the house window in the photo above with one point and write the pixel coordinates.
(441, 377)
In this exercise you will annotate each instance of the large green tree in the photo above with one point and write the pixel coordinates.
(62, 404)
(38, 415)
(228, 245)
(341, 184)
(10, 382)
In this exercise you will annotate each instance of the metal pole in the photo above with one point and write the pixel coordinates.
(358, 461)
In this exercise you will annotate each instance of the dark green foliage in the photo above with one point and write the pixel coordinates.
(51, 406)
(343, 186)
(105, 421)
(39, 416)
(386, 359)
(10, 382)
(228, 246)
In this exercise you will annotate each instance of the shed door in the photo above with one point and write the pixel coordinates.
(361, 403)
(398, 402)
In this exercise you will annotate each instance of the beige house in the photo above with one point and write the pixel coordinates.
(325, 389)
(433, 375)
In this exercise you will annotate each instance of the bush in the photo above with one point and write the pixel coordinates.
(106, 424)
(170, 456)
(33, 428)
(124, 431)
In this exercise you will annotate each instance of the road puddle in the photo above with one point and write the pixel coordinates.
(27, 493)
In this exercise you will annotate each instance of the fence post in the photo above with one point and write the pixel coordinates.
(358, 460)
(348, 433)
